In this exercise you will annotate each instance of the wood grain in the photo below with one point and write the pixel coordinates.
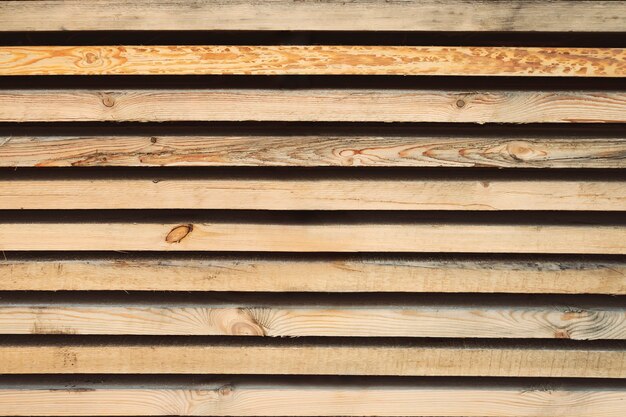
(312, 194)
(313, 150)
(344, 274)
(312, 105)
(311, 60)
(410, 237)
(328, 321)
(219, 399)
(413, 15)
(209, 358)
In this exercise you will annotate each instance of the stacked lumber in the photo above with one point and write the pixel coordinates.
(365, 208)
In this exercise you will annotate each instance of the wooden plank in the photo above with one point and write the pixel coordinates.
(345, 274)
(245, 399)
(336, 320)
(313, 194)
(302, 359)
(414, 15)
(332, 237)
(312, 105)
(313, 150)
(312, 60)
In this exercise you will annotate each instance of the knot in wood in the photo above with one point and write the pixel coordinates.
(225, 390)
(179, 233)
(108, 100)
(523, 151)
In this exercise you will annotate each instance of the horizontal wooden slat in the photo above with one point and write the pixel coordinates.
(313, 150)
(313, 194)
(311, 60)
(333, 275)
(313, 105)
(304, 359)
(314, 238)
(241, 399)
(338, 320)
(422, 15)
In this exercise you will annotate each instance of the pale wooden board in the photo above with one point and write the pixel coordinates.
(242, 399)
(366, 237)
(305, 359)
(313, 105)
(336, 275)
(313, 194)
(311, 60)
(313, 150)
(335, 320)
(414, 15)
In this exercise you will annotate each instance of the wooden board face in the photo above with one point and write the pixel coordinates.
(312, 105)
(336, 15)
(312, 151)
(313, 194)
(342, 275)
(326, 321)
(256, 237)
(285, 400)
(312, 60)
(313, 360)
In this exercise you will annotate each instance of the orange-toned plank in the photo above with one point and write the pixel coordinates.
(311, 60)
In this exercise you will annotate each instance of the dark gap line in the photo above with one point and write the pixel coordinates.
(208, 381)
(286, 217)
(306, 129)
(345, 83)
(508, 261)
(191, 381)
(277, 37)
(306, 341)
(165, 299)
(158, 174)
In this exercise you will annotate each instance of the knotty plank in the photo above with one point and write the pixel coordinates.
(312, 105)
(209, 358)
(312, 150)
(422, 15)
(234, 236)
(335, 275)
(313, 194)
(244, 399)
(330, 321)
(311, 60)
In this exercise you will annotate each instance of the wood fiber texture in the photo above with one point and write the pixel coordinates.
(313, 208)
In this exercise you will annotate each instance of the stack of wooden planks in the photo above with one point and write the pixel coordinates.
(313, 208)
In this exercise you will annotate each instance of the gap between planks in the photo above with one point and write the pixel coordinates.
(210, 358)
(317, 194)
(341, 274)
(321, 105)
(312, 150)
(241, 399)
(312, 60)
(414, 15)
